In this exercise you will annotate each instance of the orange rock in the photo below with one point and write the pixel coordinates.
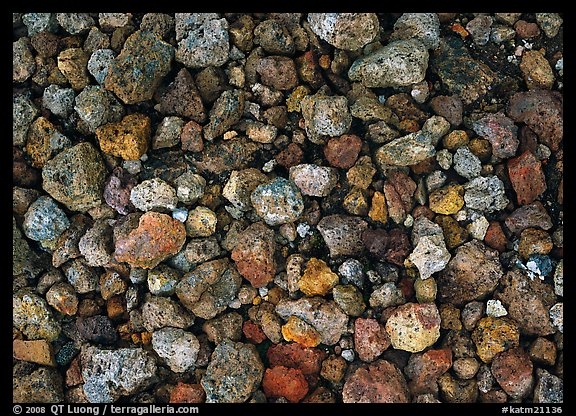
(301, 332)
(36, 351)
(495, 335)
(458, 28)
(285, 382)
(253, 332)
(495, 237)
(318, 278)
(127, 139)
(293, 355)
(187, 393)
(378, 210)
(254, 254)
(74, 373)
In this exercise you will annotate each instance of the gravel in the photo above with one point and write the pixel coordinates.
(287, 208)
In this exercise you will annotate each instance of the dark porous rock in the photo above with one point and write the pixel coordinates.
(182, 98)
(44, 385)
(224, 156)
(343, 234)
(98, 329)
(379, 382)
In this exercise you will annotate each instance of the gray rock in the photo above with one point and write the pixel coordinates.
(159, 312)
(111, 21)
(154, 195)
(559, 278)
(435, 128)
(240, 186)
(343, 234)
(226, 112)
(60, 101)
(549, 388)
(386, 295)
(324, 315)
(45, 221)
(168, 132)
(430, 254)
(234, 373)
(96, 245)
(81, 276)
(177, 347)
(480, 28)
(162, 280)
(40, 22)
(435, 180)
(24, 260)
(528, 216)
(278, 202)
(96, 107)
(466, 163)
(75, 177)
(325, 116)
(351, 271)
(43, 385)
(23, 62)
(23, 114)
(199, 250)
(99, 63)
(274, 38)
(314, 180)
(348, 31)
(32, 316)
(485, 194)
(204, 45)
(422, 26)
(210, 288)
(444, 158)
(75, 23)
(189, 187)
(98, 329)
(96, 40)
(186, 22)
(405, 151)
(557, 316)
(550, 23)
(400, 63)
(110, 374)
(225, 326)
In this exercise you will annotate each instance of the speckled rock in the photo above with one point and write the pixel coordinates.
(512, 369)
(162, 280)
(75, 177)
(43, 385)
(348, 31)
(117, 191)
(97, 329)
(201, 222)
(349, 299)
(254, 254)
(449, 107)
(314, 180)
(189, 187)
(278, 72)
(44, 141)
(537, 71)
(209, 288)
(485, 194)
(325, 116)
(73, 63)
(240, 186)
(430, 254)
(466, 163)
(62, 297)
(39, 22)
(187, 393)
(448, 200)
(285, 382)
(398, 64)
(99, 63)
(156, 238)
(128, 138)
(182, 98)
(23, 63)
(405, 151)
(81, 276)
(23, 113)
(413, 327)
(97, 106)
(45, 221)
(110, 374)
(32, 316)
(386, 295)
(457, 391)
(96, 245)
(424, 369)
(278, 202)
(234, 373)
(494, 335)
(60, 101)
(533, 215)
(225, 326)
(342, 234)
(177, 347)
(154, 195)
(318, 278)
(137, 71)
(550, 23)
(527, 177)
(159, 312)
(501, 132)
(342, 152)
(471, 274)
(297, 330)
(378, 382)
(324, 315)
(422, 26)
(263, 315)
(202, 41)
(370, 339)
(549, 388)
(226, 111)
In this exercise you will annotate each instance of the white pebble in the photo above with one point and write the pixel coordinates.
(495, 309)
(348, 355)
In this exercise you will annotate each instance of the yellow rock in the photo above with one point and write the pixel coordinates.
(355, 202)
(318, 279)
(301, 332)
(494, 335)
(455, 139)
(379, 210)
(37, 351)
(294, 100)
(449, 317)
(127, 139)
(361, 173)
(448, 200)
(201, 222)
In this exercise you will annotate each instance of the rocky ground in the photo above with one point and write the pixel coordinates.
(287, 207)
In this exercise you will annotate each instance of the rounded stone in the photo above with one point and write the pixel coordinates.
(201, 222)
(494, 335)
(378, 382)
(45, 221)
(413, 327)
(297, 330)
(178, 347)
(513, 369)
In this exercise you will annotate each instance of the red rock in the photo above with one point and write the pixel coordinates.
(254, 254)
(253, 332)
(281, 381)
(22, 173)
(157, 237)
(342, 152)
(182, 98)
(191, 137)
(308, 69)
(542, 111)
(187, 393)
(278, 72)
(370, 339)
(449, 107)
(294, 355)
(74, 373)
(512, 369)
(526, 30)
(495, 237)
(399, 190)
(527, 177)
(379, 382)
(398, 247)
(291, 156)
(424, 369)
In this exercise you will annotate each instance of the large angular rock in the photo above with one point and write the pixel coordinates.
(343, 234)
(379, 382)
(348, 31)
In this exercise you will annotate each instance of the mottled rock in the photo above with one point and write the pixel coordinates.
(485, 194)
(39, 22)
(177, 347)
(263, 314)
(549, 388)
(325, 116)
(349, 299)
(75, 177)
(448, 200)
(201, 222)
(44, 141)
(550, 23)
(494, 335)
(128, 138)
(60, 101)
(254, 254)
(405, 151)
(240, 186)
(501, 132)
(413, 327)
(234, 373)
(512, 369)
(81, 276)
(348, 31)
(202, 41)
(422, 26)
(342, 152)
(45, 221)
(449, 107)
(32, 316)
(308, 360)
(159, 312)
(472, 273)
(226, 111)
(457, 391)
(342, 234)
(479, 29)
(400, 63)
(430, 254)
(226, 326)
(278, 202)
(386, 295)
(187, 393)
(537, 71)
(97, 329)
(110, 374)
(209, 288)
(97, 106)
(466, 163)
(285, 382)
(527, 177)
(117, 190)
(156, 238)
(23, 63)
(314, 180)
(99, 63)
(43, 385)
(300, 332)
(73, 63)
(23, 113)
(370, 339)
(424, 369)
(278, 72)
(62, 297)
(318, 278)
(378, 382)
(533, 215)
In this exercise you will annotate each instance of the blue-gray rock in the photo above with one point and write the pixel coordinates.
(60, 101)
(99, 63)
(96, 107)
(81, 276)
(348, 31)
(485, 194)
(466, 163)
(75, 23)
(422, 26)
(549, 388)
(234, 373)
(325, 116)
(177, 347)
(45, 221)
(206, 45)
(23, 114)
(278, 202)
(162, 280)
(40, 22)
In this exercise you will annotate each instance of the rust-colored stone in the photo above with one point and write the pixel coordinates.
(342, 152)
(187, 393)
(127, 139)
(285, 382)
